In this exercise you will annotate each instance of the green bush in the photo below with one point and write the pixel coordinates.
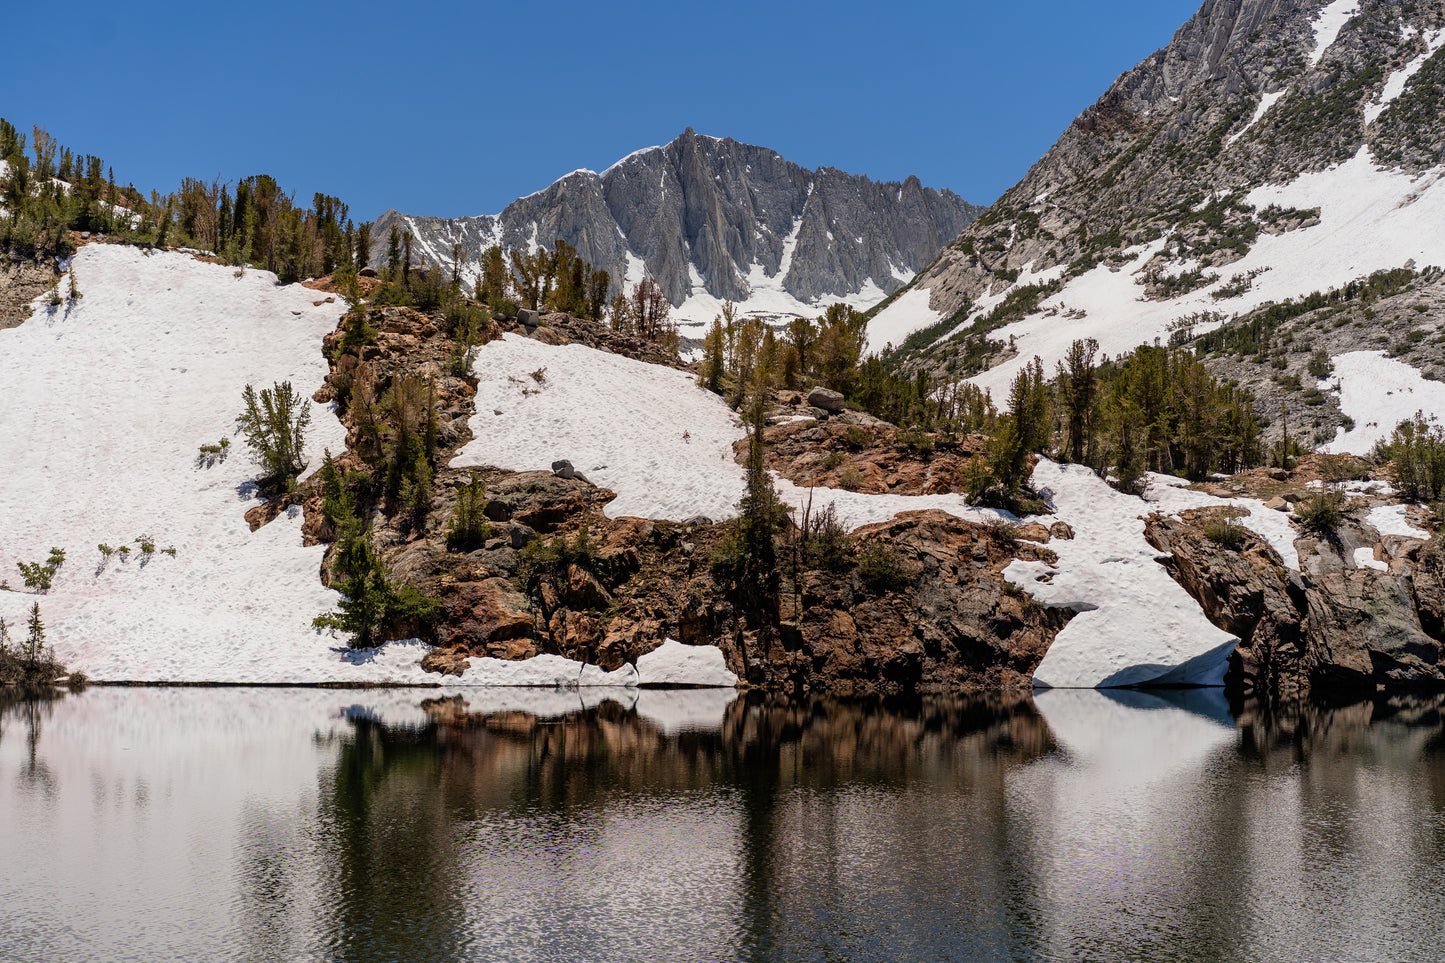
(882, 570)
(1226, 532)
(1322, 512)
(1416, 451)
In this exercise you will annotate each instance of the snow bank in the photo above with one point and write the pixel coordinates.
(1378, 393)
(673, 663)
(1390, 520)
(908, 313)
(645, 431)
(1135, 624)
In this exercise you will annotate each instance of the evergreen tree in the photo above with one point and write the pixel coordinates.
(35, 638)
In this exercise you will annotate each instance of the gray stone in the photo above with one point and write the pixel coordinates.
(367, 272)
(528, 317)
(826, 398)
(563, 469)
(520, 535)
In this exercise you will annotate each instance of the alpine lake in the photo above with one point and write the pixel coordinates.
(156, 824)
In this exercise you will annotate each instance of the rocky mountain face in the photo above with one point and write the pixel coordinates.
(1274, 148)
(704, 216)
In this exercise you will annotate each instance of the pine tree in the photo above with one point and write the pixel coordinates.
(713, 362)
(274, 426)
(35, 639)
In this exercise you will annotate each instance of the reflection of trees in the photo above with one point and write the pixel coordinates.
(393, 893)
(30, 710)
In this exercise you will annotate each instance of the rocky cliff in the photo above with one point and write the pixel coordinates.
(1274, 148)
(712, 219)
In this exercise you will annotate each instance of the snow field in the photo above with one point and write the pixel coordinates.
(107, 402)
(645, 431)
(1378, 393)
(1371, 219)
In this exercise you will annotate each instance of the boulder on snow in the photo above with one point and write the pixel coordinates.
(826, 398)
(562, 468)
(1061, 531)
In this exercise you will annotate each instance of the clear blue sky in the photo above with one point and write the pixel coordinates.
(459, 108)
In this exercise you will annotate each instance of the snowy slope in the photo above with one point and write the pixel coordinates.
(1371, 219)
(646, 432)
(106, 402)
(1135, 625)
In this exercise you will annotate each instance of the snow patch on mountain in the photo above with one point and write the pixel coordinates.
(908, 313)
(1328, 24)
(1371, 219)
(1265, 103)
(1395, 85)
(1378, 393)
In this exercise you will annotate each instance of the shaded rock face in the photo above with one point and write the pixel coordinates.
(713, 209)
(1337, 631)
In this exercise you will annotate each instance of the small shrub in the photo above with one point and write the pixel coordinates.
(882, 570)
(147, 545)
(855, 437)
(1006, 532)
(852, 479)
(37, 577)
(123, 552)
(106, 551)
(1226, 532)
(1322, 512)
(832, 460)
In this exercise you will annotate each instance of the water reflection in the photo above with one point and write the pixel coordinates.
(305, 824)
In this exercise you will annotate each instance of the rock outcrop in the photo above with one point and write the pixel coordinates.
(1331, 630)
(709, 215)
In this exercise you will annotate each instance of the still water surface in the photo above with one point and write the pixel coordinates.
(216, 824)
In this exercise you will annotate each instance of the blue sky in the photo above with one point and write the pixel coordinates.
(446, 109)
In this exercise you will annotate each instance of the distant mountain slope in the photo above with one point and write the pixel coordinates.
(713, 220)
(1272, 149)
